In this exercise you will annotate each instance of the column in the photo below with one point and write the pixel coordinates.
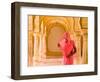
(36, 48)
(85, 50)
(77, 23)
(77, 30)
(36, 40)
(42, 45)
(78, 50)
(30, 41)
(44, 42)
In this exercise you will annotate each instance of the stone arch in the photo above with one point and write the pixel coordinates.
(54, 40)
(55, 24)
(58, 21)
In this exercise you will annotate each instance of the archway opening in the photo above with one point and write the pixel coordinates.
(53, 36)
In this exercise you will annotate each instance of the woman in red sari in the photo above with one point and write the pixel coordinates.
(68, 49)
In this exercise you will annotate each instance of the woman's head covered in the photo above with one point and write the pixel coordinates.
(66, 35)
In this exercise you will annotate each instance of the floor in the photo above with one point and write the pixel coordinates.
(47, 62)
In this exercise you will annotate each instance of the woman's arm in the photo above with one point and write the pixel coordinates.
(73, 50)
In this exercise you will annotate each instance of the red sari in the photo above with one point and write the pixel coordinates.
(68, 49)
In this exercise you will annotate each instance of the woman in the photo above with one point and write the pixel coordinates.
(68, 48)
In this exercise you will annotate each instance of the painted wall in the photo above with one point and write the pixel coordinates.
(5, 40)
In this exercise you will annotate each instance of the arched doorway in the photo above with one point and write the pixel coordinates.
(54, 33)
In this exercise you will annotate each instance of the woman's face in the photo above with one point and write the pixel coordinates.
(66, 40)
(66, 36)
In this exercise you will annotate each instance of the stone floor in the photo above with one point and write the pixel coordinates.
(48, 62)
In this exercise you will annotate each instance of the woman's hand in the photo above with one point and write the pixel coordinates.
(58, 45)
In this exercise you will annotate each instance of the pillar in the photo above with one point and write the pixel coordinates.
(42, 48)
(30, 41)
(36, 40)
